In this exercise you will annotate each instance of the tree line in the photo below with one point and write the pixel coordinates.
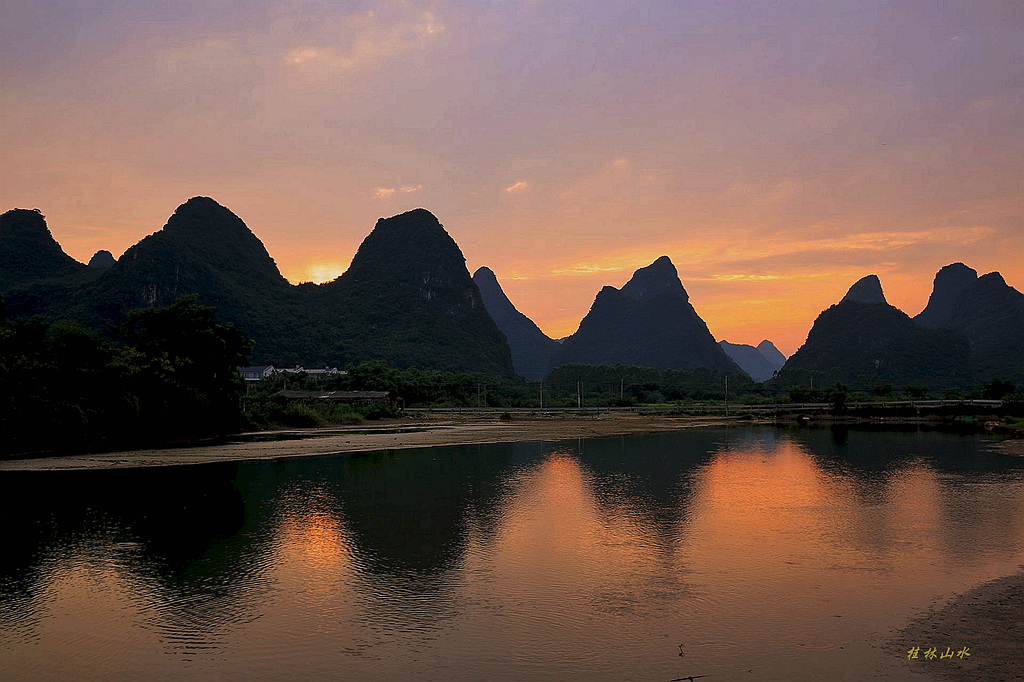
(170, 374)
(164, 374)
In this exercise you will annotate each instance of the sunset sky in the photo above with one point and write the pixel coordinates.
(775, 151)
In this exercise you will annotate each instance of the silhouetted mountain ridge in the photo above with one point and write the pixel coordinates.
(863, 340)
(102, 259)
(752, 360)
(949, 282)
(774, 356)
(28, 252)
(990, 313)
(532, 349)
(408, 290)
(649, 322)
(407, 299)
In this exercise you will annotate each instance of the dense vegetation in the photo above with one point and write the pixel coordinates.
(163, 374)
(598, 386)
(169, 373)
(587, 385)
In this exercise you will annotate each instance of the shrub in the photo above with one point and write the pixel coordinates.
(378, 411)
(300, 415)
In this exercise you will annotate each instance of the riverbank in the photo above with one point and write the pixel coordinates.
(988, 619)
(1013, 447)
(424, 430)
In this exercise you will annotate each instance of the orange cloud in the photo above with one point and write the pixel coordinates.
(368, 39)
(384, 192)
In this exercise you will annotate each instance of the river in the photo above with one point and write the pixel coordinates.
(739, 553)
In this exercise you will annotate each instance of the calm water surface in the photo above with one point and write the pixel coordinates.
(759, 554)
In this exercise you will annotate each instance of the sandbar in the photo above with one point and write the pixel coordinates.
(427, 430)
(1013, 446)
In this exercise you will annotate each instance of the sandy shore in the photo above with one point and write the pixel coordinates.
(988, 619)
(422, 431)
(1014, 447)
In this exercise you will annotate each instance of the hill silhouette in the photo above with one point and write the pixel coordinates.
(203, 249)
(649, 322)
(752, 360)
(102, 259)
(865, 290)
(28, 252)
(772, 354)
(407, 299)
(863, 340)
(985, 310)
(532, 349)
(949, 282)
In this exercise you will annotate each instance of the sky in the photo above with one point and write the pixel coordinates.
(775, 151)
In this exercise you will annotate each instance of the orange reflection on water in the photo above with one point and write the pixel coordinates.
(780, 539)
(750, 496)
(315, 548)
(555, 526)
(313, 541)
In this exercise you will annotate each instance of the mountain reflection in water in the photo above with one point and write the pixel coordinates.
(785, 552)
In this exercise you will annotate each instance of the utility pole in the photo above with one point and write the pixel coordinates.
(485, 395)
(542, 394)
(579, 395)
(478, 395)
(621, 381)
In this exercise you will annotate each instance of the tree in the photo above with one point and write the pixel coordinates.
(837, 397)
(881, 389)
(915, 391)
(997, 389)
(182, 366)
(58, 388)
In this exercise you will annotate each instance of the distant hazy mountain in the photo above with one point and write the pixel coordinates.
(772, 354)
(988, 312)
(407, 298)
(532, 349)
(760, 365)
(863, 339)
(28, 252)
(649, 322)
